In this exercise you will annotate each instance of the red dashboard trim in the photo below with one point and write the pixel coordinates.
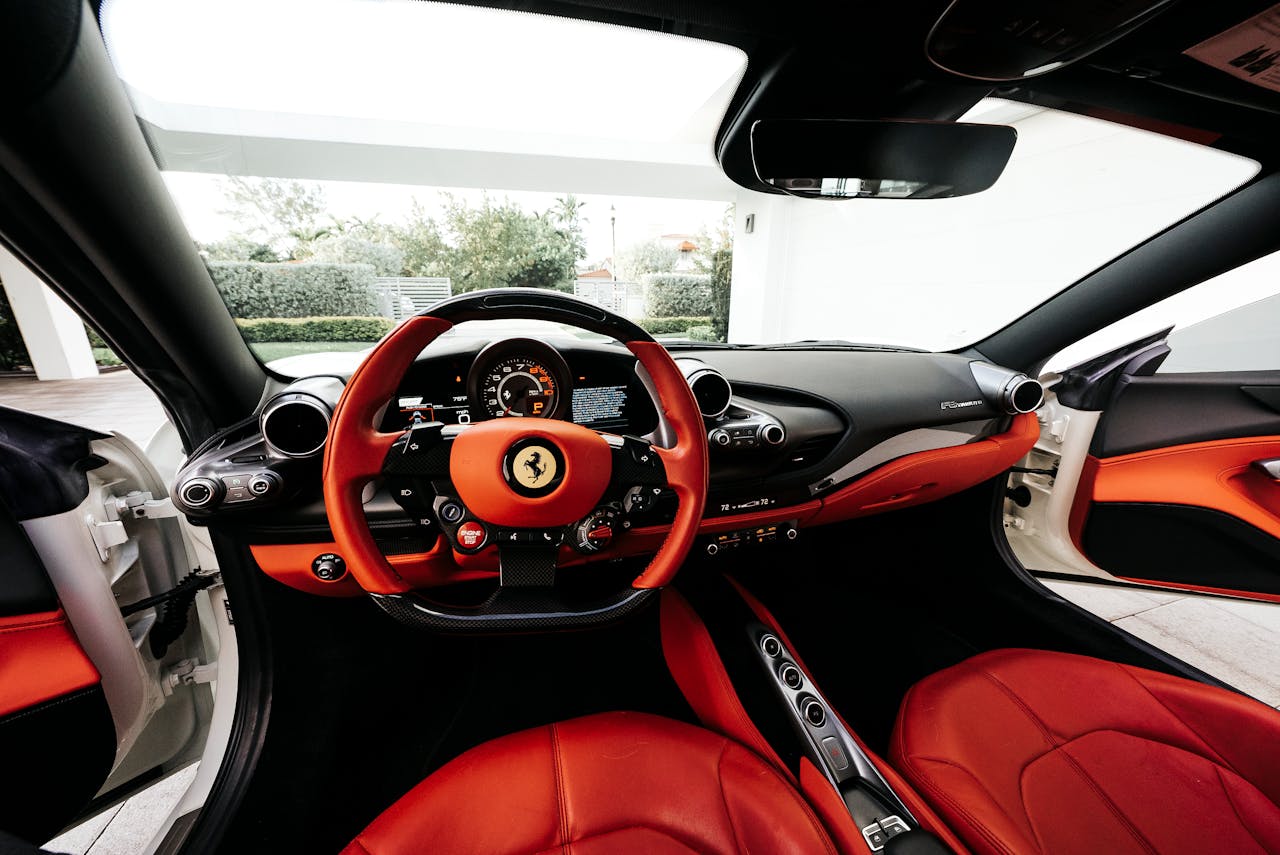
(934, 474)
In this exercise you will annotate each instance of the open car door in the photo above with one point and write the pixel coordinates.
(104, 669)
(1177, 486)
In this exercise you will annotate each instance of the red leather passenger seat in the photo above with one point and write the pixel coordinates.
(615, 783)
(1025, 751)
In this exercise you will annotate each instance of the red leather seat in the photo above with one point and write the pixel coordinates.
(1024, 751)
(616, 783)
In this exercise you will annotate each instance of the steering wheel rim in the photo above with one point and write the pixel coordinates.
(356, 451)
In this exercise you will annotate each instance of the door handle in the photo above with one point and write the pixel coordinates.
(1270, 468)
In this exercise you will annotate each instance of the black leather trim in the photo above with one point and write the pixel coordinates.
(43, 463)
(1176, 409)
(55, 757)
(24, 585)
(1183, 545)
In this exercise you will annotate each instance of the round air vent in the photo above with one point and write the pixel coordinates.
(711, 391)
(295, 425)
(1024, 395)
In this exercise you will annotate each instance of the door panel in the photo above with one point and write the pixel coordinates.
(98, 694)
(1164, 410)
(1170, 494)
(57, 739)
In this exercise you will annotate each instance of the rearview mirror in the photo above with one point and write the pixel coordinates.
(879, 159)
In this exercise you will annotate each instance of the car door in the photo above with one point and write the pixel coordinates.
(1159, 461)
(1181, 488)
(104, 669)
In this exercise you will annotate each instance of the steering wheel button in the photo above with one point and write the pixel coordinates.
(451, 512)
(471, 535)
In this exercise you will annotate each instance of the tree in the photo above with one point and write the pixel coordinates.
(567, 214)
(279, 212)
(652, 256)
(238, 248)
(421, 244)
(499, 245)
(715, 256)
(360, 246)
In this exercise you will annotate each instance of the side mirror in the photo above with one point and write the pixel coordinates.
(879, 159)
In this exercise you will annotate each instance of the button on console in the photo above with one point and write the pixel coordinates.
(771, 646)
(835, 753)
(471, 536)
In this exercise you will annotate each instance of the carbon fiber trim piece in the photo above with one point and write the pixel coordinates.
(513, 610)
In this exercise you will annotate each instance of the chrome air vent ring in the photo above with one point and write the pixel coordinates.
(710, 388)
(295, 425)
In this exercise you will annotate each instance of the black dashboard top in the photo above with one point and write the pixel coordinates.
(801, 423)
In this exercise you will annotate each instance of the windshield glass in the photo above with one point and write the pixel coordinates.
(344, 164)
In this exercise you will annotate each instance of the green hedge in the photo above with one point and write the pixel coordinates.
(257, 330)
(670, 295)
(256, 290)
(13, 350)
(666, 326)
(704, 333)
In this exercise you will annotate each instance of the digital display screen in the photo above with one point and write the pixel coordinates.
(600, 407)
(417, 408)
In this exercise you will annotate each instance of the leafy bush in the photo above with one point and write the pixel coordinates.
(667, 326)
(95, 340)
(105, 357)
(670, 295)
(256, 290)
(385, 259)
(721, 285)
(705, 333)
(257, 330)
(13, 351)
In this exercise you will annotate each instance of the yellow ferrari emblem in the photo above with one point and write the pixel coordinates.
(533, 467)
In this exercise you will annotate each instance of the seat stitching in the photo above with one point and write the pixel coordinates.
(1217, 755)
(560, 798)
(1074, 764)
(814, 822)
(694, 845)
(920, 779)
(1232, 802)
(944, 762)
(974, 823)
(360, 843)
(724, 799)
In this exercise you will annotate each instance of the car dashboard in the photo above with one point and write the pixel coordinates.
(797, 437)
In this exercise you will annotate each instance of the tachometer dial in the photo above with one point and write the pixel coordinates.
(519, 377)
(519, 387)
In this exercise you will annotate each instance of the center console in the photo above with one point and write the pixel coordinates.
(738, 671)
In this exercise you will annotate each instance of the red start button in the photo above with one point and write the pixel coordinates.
(471, 535)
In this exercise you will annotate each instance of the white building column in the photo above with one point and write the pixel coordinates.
(760, 259)
(52, 331)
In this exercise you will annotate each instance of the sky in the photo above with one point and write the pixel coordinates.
(201, 199)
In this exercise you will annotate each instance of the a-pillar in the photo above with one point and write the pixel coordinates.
(53, 333)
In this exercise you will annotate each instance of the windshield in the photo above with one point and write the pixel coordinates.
(337, 177)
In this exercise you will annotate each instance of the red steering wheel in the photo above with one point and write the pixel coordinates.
(482, 464)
